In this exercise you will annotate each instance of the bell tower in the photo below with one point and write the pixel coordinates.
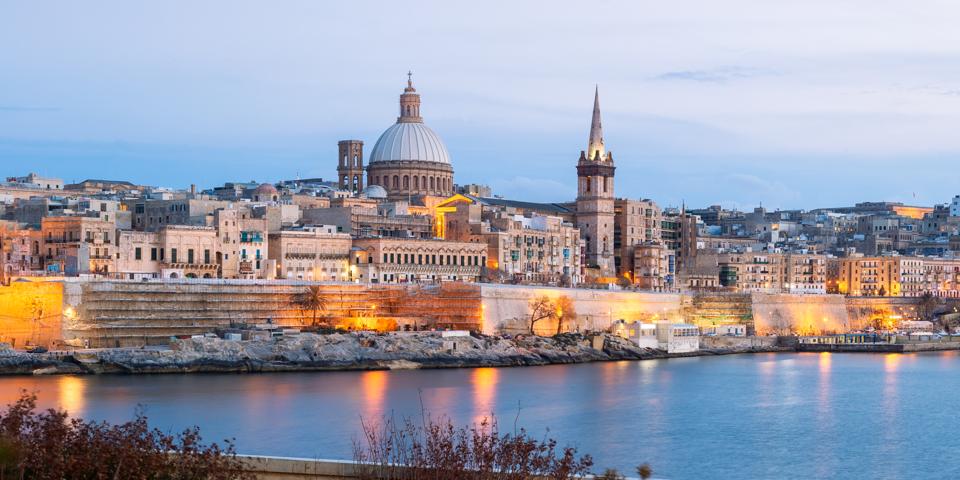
(350, 165)
(595, 198)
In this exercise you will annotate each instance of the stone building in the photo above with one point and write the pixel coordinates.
(523, 248)
(595, 200)
(311, 253)
(20, 251)
(74, 245)
(409, 159)
(367, 218)
(773, 272)
(653, 266)
(402, 260)
(636, 222)
(896, 276)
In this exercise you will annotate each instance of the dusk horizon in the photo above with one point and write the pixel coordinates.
(791, 123)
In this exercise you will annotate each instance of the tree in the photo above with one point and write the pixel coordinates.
(540, 308)
(312, 299)
(565, 312)
(927, 306)
(882, 292)
(645, 471)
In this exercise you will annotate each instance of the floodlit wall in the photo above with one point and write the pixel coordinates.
(507, 308)
(30, 313)
(802, 314)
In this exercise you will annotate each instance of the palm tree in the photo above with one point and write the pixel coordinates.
(312, 300)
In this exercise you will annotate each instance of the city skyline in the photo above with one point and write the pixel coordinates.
(696, 112)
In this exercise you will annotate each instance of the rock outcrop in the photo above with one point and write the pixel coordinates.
(338, 351)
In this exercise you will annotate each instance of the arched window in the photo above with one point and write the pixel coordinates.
(406, 182)
(589, 181)
(416, 183)
(431, 184)
(396, 181)
(423, 181)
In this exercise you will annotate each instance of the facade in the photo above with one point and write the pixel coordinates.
(409, 159)
(955, 206)
(36, 181)
(678, 337)
(595, 200)
(78, 245)
(654, 267)
(773, 272)
(523, 248)
(350, 165)
(311, 253)
(636, 222)
(366, 218)
(879, 276)
(403, 260)
(20, 251)
(153, 215)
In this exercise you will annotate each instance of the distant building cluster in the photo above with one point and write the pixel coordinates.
(397, 216)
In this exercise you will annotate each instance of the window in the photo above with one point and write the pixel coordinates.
(190, 255)
(206, 256)
(153, 254)
(173, 255)
(136, 253)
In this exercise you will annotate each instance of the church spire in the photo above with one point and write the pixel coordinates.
(595, 148)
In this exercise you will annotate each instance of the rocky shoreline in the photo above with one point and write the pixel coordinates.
(344, 351)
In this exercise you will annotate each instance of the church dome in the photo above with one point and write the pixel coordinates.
(375, 191)
(409, 141)
(265, 189)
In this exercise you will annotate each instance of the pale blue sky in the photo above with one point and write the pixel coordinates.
(793, 104)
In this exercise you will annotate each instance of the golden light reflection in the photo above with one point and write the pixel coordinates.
(824, 362)
(484, 392)
(374, 385)
(72, 393)
(891, 362)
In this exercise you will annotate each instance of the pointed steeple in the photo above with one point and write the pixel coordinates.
(595, 148)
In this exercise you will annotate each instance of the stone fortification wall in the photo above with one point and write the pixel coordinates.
(30, 313)
(507, 307)
(132, 313)
(804, 314)
(864, 311)
(722, 342)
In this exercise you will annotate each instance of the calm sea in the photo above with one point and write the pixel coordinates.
(765, 416)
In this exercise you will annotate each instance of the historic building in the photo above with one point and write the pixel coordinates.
(409, 159)
(595, 200)
(311, 253)
(402, 260)
(350, 168)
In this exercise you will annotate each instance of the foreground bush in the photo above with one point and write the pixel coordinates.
(50, 445)
(435, 450)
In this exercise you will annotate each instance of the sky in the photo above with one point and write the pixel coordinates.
(740, 103)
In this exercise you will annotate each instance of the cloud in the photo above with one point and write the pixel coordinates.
(715, 75)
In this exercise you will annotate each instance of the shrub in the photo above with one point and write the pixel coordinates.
(436, 450)
(50, 445)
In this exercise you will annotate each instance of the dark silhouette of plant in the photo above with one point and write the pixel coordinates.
(927, 306)
(314, 300)
(50, 445)
(436, 450)
(540, 308)
(645, 471)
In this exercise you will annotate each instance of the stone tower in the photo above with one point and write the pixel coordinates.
(595, 198)
(350, 166)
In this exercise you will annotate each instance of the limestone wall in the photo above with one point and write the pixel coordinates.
(507, 307)
(30, 313)
(804, 314)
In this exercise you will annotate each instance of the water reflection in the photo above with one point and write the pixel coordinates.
(71, 392)
(374, 385)
(484, 392)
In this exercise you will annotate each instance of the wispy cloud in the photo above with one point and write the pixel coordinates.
(714, 75)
